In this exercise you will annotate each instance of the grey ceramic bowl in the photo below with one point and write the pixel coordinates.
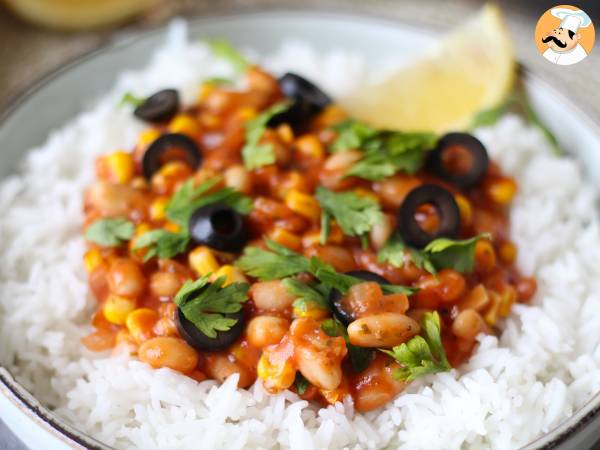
(63, 94)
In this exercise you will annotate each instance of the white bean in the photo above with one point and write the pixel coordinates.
(382, 330)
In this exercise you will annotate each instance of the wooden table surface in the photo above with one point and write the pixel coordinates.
(27, 52)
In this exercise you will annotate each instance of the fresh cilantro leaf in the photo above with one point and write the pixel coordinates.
(205, 304)
(392, 152)
(354, 214)
(278, 263)
(452, 254)
(130, 99)
(255, 154)
(188, 199)
(360, 357)
(219, 81)
(162, 243)
(301, 383)
(224, 50)
(393, 251)
(488, 117)
(110, 232)
(421, 355)
(351, 134)
(307, 293)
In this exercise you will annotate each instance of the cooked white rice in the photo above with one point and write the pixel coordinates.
(545, 365)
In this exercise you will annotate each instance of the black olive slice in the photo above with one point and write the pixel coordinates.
(446, 208)
(341, 311)
(202, 342)
(220, 227)
(471, 148)
(307, 98)
(176, 142)
(159, 107)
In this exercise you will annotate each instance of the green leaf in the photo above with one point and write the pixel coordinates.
(307, 294)
(360, 357)
(188, 199)
(301, 383)
(393, 251)
(224, 50)
(336, 280)
(392, 152)
(276, 264)
(351, 134)
(162, 243)
(219, 81)
(205, 304)
(255, 154)
(354, 214)
(130, 99)
(110, 232)
(422, 355)
(451, 254)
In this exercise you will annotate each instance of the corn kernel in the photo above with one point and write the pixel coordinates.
(312, 238)
(92, 260)
(292, 181)
(147, 137)
(276, 374)
(231, 273)
(362, 192)
(507, 252)
(311, 310)
(117, 308)
(158, 207)
(285, 238)
(142, 228)
(203, 261)
(205, 89)
(121, 167)
(140, 323)
(465, 209)
(285, 133)
(501, 191)
(309, 145)
(247, 113)
(185, 124)
(303, 204)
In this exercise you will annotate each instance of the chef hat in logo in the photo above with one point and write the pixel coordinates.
(571, 19)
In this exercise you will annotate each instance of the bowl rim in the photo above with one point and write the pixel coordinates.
(54, 423)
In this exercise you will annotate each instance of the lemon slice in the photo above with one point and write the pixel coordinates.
(77, 14)
(472, 69)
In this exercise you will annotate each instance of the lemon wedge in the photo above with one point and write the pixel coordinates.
(77, 14)
(472, 69)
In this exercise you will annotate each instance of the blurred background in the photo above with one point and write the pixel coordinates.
(39, 36)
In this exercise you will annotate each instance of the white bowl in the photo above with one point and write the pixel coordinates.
(61, 95)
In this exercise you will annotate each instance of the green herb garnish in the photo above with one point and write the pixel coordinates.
(205, 304)
(219, 81)
(224, 50)
(255, 154)
(360, 357)
(354, 214)
(188, 199)
(307, 293)
(352, 134)
(392, 152)
(517, 101)
(166, 244)
(130, 99)
(162, 243)
(280, 262)
(301, 383)
(421, 355)
(439, 254)
(110, 232)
